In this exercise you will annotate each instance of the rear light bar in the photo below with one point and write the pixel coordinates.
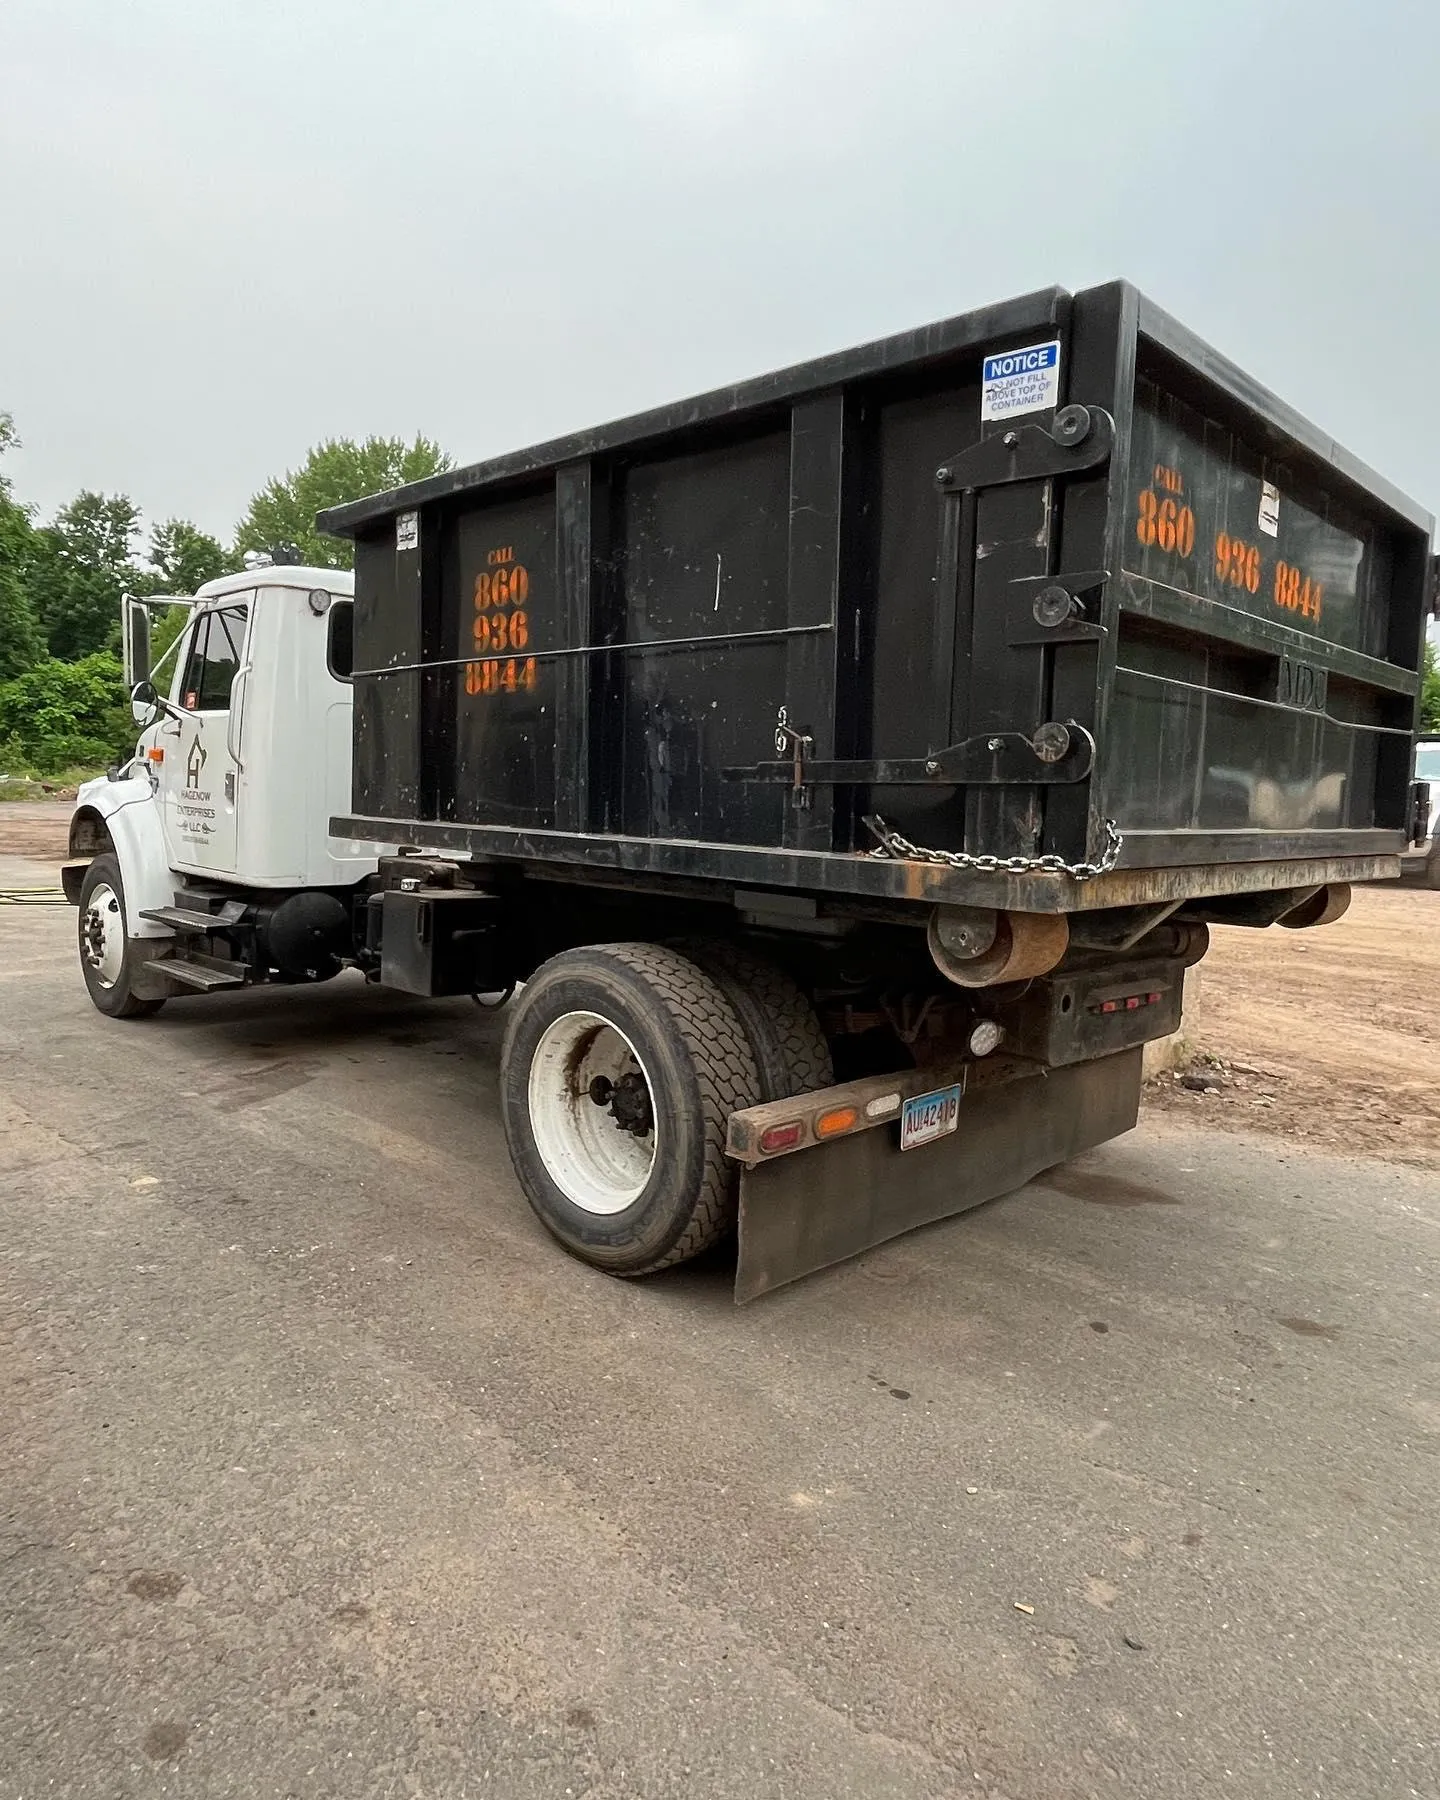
(760, 1133)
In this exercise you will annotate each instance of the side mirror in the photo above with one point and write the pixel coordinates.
(144, 702)
(135, 639)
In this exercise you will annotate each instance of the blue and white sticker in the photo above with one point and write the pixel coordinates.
(1020, 381)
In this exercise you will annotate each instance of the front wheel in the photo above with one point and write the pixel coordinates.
(107, 953)
(622, 1064)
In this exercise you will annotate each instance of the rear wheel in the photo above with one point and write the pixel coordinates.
(107, 954)
(791, 1053)
(1432, 865)
(622, 1064)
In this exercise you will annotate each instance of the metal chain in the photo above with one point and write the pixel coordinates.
(891, 844)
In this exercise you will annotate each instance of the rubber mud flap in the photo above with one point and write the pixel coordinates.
(820, 1206)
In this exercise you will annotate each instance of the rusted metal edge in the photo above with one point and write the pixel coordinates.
(821, 873)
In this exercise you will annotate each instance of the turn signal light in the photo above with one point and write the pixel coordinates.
(838, 1119)
(155, 753)
(781, 1137)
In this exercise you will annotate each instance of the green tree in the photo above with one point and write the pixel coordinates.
(82, 566)
(66, 714)
(284, 510)
(164, 629)
(184, 557)
(22, 644)
(1430, 690)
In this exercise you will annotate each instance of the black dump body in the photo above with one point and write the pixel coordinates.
(724, 639)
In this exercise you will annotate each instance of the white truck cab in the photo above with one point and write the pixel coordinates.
(243, 759)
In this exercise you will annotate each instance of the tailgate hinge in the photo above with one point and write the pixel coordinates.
(1080, 438)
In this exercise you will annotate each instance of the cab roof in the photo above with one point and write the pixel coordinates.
(300, 577)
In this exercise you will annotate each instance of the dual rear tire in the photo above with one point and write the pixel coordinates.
(622, 1064)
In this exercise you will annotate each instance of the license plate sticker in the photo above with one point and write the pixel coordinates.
(929, 1116)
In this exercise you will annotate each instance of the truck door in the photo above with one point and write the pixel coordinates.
(199, 776)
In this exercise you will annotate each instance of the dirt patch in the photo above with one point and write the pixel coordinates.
(1331, 1036)
(36, 828)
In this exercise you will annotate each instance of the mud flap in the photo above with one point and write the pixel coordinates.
(804, 1212)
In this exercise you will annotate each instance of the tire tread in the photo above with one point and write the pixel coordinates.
(791, 1051)
(721, 1050)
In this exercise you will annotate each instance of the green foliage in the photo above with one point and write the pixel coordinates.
(81, 567)
(164, 629)
(61, 714)
(1430, 690)
(62, 699)
(21, 642)
(283, 512)
(184, 557)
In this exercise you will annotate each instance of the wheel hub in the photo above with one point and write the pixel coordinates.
(592, 1113)
(628, 1100)
(102, 935)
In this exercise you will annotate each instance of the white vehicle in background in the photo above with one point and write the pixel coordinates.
(1427, 768)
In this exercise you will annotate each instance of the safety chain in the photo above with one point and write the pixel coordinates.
(892, 844)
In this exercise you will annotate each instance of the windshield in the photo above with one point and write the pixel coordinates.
(1427, 762)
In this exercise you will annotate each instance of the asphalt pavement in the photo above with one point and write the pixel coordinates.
(326, 1473)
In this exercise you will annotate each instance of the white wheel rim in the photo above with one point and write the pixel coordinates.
(102, 934)
(598, 1164)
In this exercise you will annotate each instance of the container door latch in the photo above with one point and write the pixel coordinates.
(1054, 754)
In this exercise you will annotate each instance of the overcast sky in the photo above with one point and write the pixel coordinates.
(232, 229)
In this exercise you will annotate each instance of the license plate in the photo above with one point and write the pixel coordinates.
(929, 1116)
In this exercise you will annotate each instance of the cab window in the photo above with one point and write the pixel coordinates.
(340, 642)
(214, 659)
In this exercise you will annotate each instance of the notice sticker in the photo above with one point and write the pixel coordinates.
(1270, 509)
(407, 531)
(1020, 381)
